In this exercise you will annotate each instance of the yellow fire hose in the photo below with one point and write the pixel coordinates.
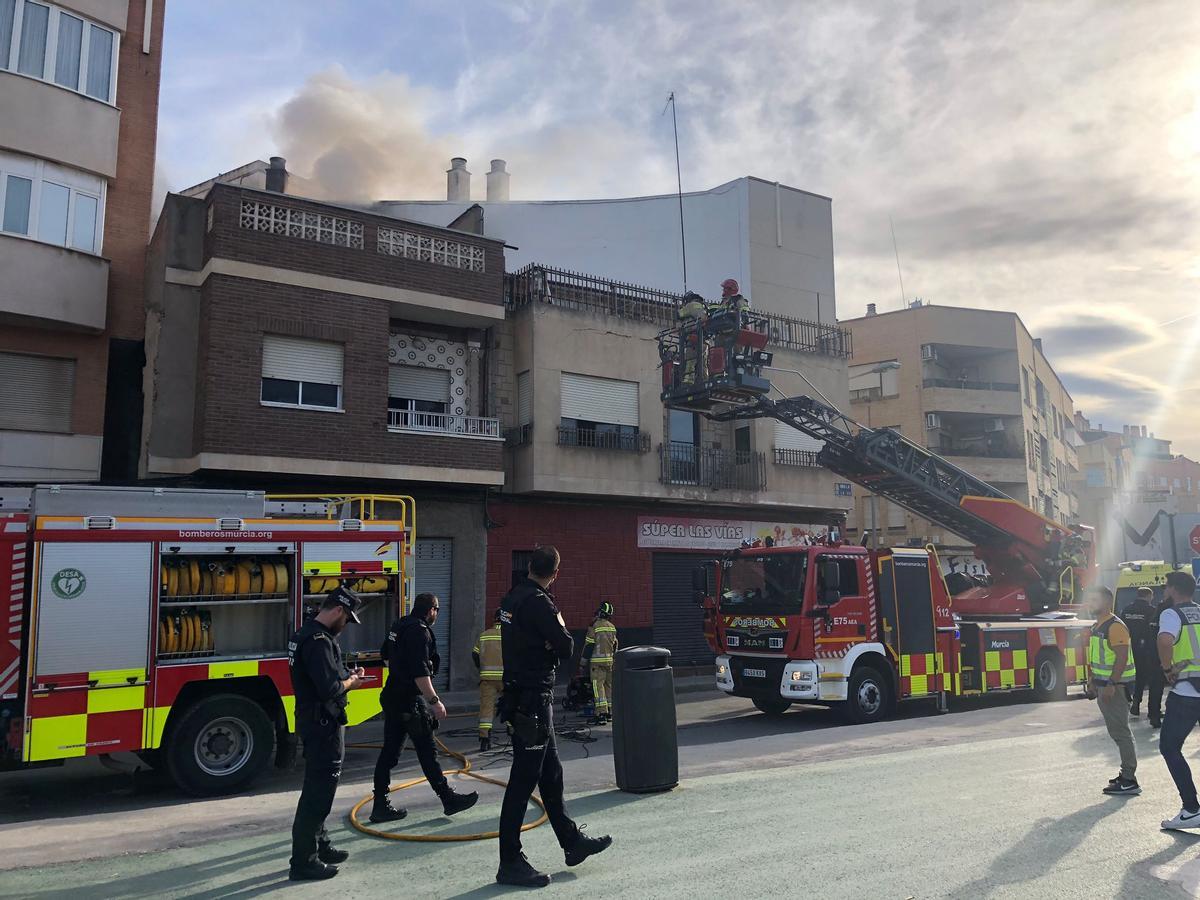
(438, 838)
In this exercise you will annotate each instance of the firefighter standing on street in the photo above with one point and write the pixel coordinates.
(1141, 617)
(320, 681)
(599, 648)
(1111, 670)
(489, 660)
(535, 638)
(1179, 658)
(410, 706)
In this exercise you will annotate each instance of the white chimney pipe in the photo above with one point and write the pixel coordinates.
(497, 182)
(871, 309)
(458, 180)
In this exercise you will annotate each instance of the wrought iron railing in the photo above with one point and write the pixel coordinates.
(520, 436)
(730, 470)
(574, 290)
(964, 385)
(633, 442)
(785, 456)
(442, 423)
(988, 452)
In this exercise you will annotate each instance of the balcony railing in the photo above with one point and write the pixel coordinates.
(520, 436)
(635, 442)
(443, 423)
(788, 457)
(964, 385)
(988, 452)
(573, 290)
(729, 470)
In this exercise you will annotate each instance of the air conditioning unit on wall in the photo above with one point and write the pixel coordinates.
(933, 420)
(928, 351)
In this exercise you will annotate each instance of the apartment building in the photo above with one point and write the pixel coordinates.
(306, 347)
(79, 83)
(974, 386)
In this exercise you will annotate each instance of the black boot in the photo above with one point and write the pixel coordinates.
(454, 802)
(520, 873)
(383, 811)
(485, 744)
(311, 871)
(585, 846)
(1155, 721)
(327, 853)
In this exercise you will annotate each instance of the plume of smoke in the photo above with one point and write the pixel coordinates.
(359, 141)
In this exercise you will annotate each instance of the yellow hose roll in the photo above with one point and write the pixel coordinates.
(206, 630)
(256, 578)
(164, 580)
(162, 635)
(242, 574)
(193, 569)
(228, 580)
(281, 578)
(170, 623)
(172, 581)
(268, 578)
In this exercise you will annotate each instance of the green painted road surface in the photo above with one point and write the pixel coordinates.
(1000, 801)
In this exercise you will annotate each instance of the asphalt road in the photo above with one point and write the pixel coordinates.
(996, 799)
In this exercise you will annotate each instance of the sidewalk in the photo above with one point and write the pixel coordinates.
(460, 703)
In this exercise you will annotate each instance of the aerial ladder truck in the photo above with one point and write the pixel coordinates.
(860, 628)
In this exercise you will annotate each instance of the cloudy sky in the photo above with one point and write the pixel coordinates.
(1042, 157)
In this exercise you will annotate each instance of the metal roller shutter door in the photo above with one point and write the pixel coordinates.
(678, 622)
(434, 566)
(36, 392)
(599, 399)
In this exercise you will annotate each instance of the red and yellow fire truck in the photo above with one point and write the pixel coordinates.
(156, 621)
(863, 628)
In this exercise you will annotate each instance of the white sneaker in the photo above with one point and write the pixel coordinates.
(1183, 819)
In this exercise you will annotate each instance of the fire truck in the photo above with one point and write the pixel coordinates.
(864, 629)
(156, 621)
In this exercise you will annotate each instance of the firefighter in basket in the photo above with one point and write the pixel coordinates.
(489, 660)
(599, 648)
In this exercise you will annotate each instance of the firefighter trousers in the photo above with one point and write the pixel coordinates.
(324, 750)
(602, 675)
(489, 692)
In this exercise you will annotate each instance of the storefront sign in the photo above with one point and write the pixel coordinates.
(720, 534)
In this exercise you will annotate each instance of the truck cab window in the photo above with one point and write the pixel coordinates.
(847, 572)
(765, 585)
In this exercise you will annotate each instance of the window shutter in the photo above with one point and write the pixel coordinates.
(524, 399)
(599, 399)
(416, 383)
(295, 359)
(36, 392)
(788, 438)
(895, 515)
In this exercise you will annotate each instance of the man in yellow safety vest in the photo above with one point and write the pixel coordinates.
(489, 660)
(599, 648)
(1179, 655)
(1111, 670)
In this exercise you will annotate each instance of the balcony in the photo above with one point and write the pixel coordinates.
(994, 467)
(730, 470)
(51, 122)
(992, 398)
(50, 285)
(443, 424)
(789, 457)
(630, 442)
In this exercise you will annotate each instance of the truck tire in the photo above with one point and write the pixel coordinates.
(1049, 677)
(219, 745)
(868, 698)
(772, 706)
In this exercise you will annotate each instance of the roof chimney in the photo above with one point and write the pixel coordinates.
(458, 180)
(277, 175)
(497, 182)
(1143, 431)
(871, 310)
(1037, 342)
(1125, 429)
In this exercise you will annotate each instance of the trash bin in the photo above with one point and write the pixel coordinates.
(645, 741)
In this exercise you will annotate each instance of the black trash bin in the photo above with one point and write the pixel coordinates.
(645, 741)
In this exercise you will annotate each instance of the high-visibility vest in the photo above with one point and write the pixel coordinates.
(603, 634)
(1102, 657)
(491, 655)
(1187, 645)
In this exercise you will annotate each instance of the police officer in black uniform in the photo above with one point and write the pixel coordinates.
(1142, 619)
(411, 708)
(534, 639)
(320, 681)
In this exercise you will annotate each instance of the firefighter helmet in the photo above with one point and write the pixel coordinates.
(606, 610)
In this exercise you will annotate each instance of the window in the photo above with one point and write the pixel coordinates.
(599, 412)
(847, 575)
(683, 427)
(1054, 418)
(36, 392)
(297, 372)
(764, 584)
(1025, 382)
(524, 398)
(1095, 475)
(1032, 448)
(895, 517)
(53, 45)
(1044, 446)
(520, 565)
(741, 443)
(418, 398)
(1162, 481)
(1177, 484)
(51, 203)
(1040, 391)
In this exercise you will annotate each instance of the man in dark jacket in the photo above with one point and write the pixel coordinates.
(1141, 616)
(535, 639)
(410, 706)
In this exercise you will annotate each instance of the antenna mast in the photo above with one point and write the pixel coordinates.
(896, 250)
(679, 186)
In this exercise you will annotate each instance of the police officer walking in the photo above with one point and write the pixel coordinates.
(534, 640)
(320, 682)
(410, 706)
(1141, 618)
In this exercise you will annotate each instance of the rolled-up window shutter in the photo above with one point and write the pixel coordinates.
(415, 383)
(599, 399)
(789, 438)
(296, 359)
(36, 392)
(524, 399)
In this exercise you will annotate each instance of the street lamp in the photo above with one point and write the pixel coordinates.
(890, 366)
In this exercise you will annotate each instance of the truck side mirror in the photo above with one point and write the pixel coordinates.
(831, 578)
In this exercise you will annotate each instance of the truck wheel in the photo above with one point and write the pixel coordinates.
(219, 745)
(772, 706)
(1049, 677)
(867, 696)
